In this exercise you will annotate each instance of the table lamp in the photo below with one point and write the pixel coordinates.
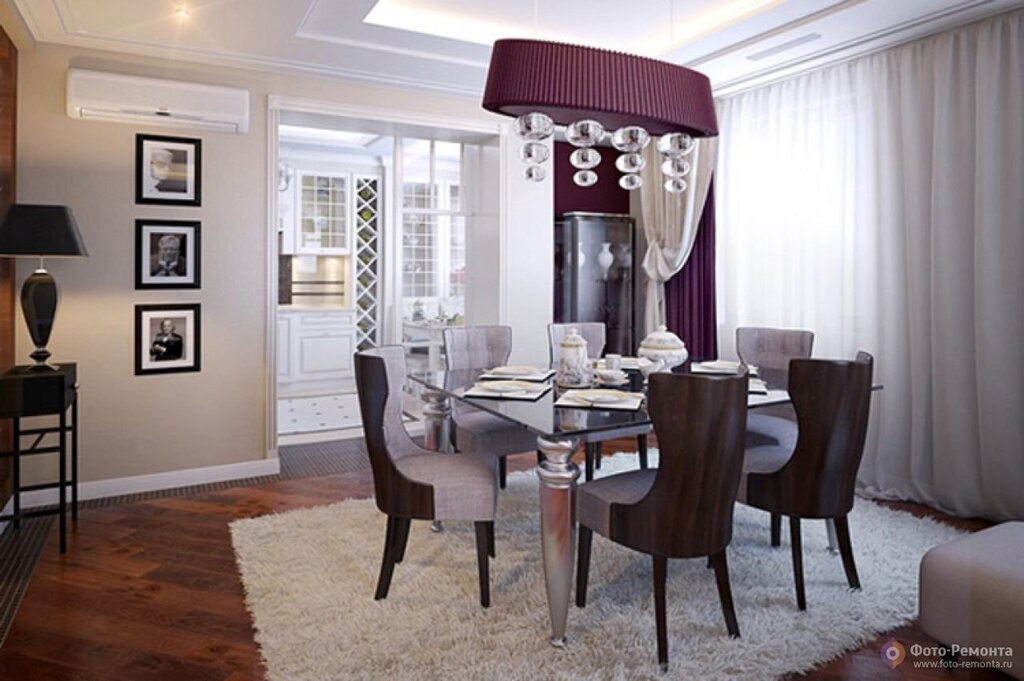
(40, 231)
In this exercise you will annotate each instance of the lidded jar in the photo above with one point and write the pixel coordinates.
(573, 364)
(665, 347)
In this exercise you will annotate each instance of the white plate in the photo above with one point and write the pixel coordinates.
(515, 370)
(504, 386)
(601, 396)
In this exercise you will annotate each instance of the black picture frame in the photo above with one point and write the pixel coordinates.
(150, 240)
(182, 167)
(150, 335)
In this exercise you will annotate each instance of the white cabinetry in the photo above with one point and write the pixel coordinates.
(315, 349)
(324, 213)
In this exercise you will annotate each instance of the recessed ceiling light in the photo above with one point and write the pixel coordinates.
(182, 12)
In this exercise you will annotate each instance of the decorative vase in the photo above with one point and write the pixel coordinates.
(625, 257)
(581, 257)
(663, 347)
(605, 259)
(573, 363)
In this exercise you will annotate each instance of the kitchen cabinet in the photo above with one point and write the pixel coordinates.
(324, 213)
(315, 349)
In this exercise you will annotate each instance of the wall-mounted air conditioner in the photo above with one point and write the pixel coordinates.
(94, 95)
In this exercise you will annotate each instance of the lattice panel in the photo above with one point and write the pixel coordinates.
(367, 261)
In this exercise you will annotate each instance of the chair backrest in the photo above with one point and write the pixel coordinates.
(477, 347)
(380, 377)
(700, 422)
(771, 349)
(832, 399)
(593, 332)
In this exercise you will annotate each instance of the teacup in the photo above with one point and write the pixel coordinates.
(611, 375)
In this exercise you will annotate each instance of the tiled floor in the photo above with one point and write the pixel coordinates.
(314, 414)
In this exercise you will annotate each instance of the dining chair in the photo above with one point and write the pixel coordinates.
(814, 475)
(412, 483)
(683, 508)
(594, 333)
(477, 347)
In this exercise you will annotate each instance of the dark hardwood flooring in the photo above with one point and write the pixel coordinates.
(149, 591)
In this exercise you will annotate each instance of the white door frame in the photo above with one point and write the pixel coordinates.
(278, 103)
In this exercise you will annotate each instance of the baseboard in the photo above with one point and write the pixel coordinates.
(99, 489)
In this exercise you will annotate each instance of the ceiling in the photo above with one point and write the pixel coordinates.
(444, 45)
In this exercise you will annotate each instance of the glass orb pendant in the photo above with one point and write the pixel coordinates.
(585, 159)
(585, 133)
(631, 182)
(675, 144)
(535, 173)
(675, 167)
(630, 138)
(585, 178)
(630, 163)
(535, 126)
(675, 185)
(534, 152)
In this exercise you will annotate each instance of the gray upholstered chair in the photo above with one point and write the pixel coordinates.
(810, 471)
(412, 483)
(684, 508)
(771, 349)
(477, 347)
(595, 334)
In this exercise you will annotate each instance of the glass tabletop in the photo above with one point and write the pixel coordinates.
(543, 418)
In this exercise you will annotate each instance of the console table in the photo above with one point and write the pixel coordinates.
(26, 392)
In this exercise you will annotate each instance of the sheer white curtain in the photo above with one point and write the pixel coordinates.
(879, 203)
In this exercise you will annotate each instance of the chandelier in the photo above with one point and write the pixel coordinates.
(598, 93)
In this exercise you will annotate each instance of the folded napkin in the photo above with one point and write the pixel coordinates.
(538, 375)
(629, 363)
(529, 392)
(572, 399)
(757, 387)
(720, 366)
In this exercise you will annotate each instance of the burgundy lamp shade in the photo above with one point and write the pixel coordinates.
(571, 82)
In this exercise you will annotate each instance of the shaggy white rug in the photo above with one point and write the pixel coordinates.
(309, 577)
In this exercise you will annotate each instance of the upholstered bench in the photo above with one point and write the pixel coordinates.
(972, 594)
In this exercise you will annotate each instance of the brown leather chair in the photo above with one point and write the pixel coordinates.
(479, 347)
(817, 479)
(412, 483)
(683, 508)
(595, 334)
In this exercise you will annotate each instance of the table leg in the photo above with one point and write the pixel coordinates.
(74, 458)
(558, 476)
(833, 541)
(63, 479)
(16, 475)
(437, 414)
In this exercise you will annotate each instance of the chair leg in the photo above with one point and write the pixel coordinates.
(798, 562)
(502, 471)
(482, 560)
(660, 576)
(598, 446)
(725, 592)
(540, 457)
(641, 444)
(846, 551)
(588, 454)
(402, 538)
(490, 539)
(583, 566)
(387, 567)
(776, 529)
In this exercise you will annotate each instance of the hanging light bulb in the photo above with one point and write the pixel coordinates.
(585, 178)
(535, 173)
(630, 138)
(675, 185)
(630, 163)
(585, 133)
(675, 144)
(675, 167)
(631, 182)
(585, 159)
(534, 152)
(535, 126)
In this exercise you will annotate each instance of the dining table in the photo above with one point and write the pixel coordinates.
(558, 430)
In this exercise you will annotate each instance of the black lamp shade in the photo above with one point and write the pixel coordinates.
(30, 229)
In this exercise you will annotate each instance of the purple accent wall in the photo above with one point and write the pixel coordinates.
(690, 294)
(604, 197)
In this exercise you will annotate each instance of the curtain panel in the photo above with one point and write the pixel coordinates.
(879, 203)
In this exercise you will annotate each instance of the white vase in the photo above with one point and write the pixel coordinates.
(573, 365)
(625, 257)
(605, 259)
(581, 257)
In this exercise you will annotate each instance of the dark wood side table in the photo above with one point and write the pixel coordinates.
(25, 392)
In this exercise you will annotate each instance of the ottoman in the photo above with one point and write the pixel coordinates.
(972, 595)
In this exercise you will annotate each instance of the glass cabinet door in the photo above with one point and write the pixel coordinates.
(324, 214)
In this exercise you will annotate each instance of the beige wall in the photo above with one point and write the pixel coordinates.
(138, 425)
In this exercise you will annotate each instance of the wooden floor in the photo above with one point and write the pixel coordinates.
(149, 591)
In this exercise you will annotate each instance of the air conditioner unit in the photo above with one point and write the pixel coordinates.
(94, 95)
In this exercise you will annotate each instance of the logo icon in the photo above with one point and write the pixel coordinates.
(893, 653)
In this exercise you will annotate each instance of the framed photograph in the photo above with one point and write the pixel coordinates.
(167, 254)
(168, 170)
(167, 338)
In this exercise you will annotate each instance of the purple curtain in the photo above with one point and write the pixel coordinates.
(690, 294)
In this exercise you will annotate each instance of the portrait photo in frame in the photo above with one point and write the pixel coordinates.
(168, 254)
(167, 338)
(168, 170)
